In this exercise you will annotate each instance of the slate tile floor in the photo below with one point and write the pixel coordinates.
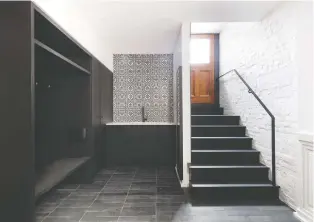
(143, 195)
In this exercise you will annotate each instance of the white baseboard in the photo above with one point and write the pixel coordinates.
(304, 211)
(305, 136)
(178, 177)
(183, 185)
(303, 216)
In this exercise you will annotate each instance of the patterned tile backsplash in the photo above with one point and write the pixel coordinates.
(143, 80)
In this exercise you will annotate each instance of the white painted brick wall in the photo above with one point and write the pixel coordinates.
(264, 54)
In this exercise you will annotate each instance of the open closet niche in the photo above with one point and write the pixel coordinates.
(56, 99)
(62, 105)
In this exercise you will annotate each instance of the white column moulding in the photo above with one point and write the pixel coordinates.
(305, 183)
(186, 102)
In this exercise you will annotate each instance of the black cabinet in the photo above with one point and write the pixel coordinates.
(55, 96)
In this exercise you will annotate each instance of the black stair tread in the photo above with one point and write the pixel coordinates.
(228, 137)
(218, 126)
(217, 166)
(231, 185)
(225, 151)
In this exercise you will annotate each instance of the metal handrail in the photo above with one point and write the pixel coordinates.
(273, 145)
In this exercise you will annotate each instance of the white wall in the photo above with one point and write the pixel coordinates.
(75, 24)
(177, 62)
(273, 56)
(186, 101)
(304, 63)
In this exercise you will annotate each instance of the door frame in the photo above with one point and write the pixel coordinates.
(216, 67)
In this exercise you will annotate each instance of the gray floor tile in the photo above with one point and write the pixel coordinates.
(152, 192)
(169, 191)
(59, 219)
(97, 217)
(68, 187)
(39, 218)
(81, 198)
(111, 198)
(138, 204)
(141, 199)
(114, 192)
(273, 218)
(68, 213)
(56, 197)
(171, 198)
(91, 187)
(76, 203)
(138, 211)
(143, 186)
(41, 215)
(99, 206)
(45, 208)
(138, 219)
(114, 189)
(143, 194)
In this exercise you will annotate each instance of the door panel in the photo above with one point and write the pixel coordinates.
(202, 69)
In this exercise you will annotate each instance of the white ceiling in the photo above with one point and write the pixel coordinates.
(207, 27)
(153, 26)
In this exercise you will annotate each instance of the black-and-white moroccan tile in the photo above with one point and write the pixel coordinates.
(143, 80)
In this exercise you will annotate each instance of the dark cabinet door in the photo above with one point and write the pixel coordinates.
(106, 79)
(96, 107)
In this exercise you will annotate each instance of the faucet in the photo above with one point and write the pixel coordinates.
(144, 119)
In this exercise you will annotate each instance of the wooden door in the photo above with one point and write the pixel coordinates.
(202, 68)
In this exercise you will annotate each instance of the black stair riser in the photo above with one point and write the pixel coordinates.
(218, 111)
(203, 109)
(230, 175)
(215, 120)
(218, 131)
(225, 143)
(239, 194)
(225, 158)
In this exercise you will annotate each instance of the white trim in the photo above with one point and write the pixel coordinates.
(211, 115)
(178, 177)
(140, 124)
(227, 167)
(184, 184)
(303, 216)
(225, 151)
(186, 101)
(243, 137)
(232, 185)
(218, 126)
(304, 211)
(305, 137)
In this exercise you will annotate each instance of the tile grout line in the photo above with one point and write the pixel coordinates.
(55, 208)
(98, 195)
(59, 203)
(127, 195)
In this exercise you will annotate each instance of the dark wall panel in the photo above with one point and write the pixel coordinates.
(102, 108)
(106, 80)
(16, 112)
(140, 145)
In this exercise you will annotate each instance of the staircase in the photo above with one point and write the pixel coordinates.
(224, 167)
